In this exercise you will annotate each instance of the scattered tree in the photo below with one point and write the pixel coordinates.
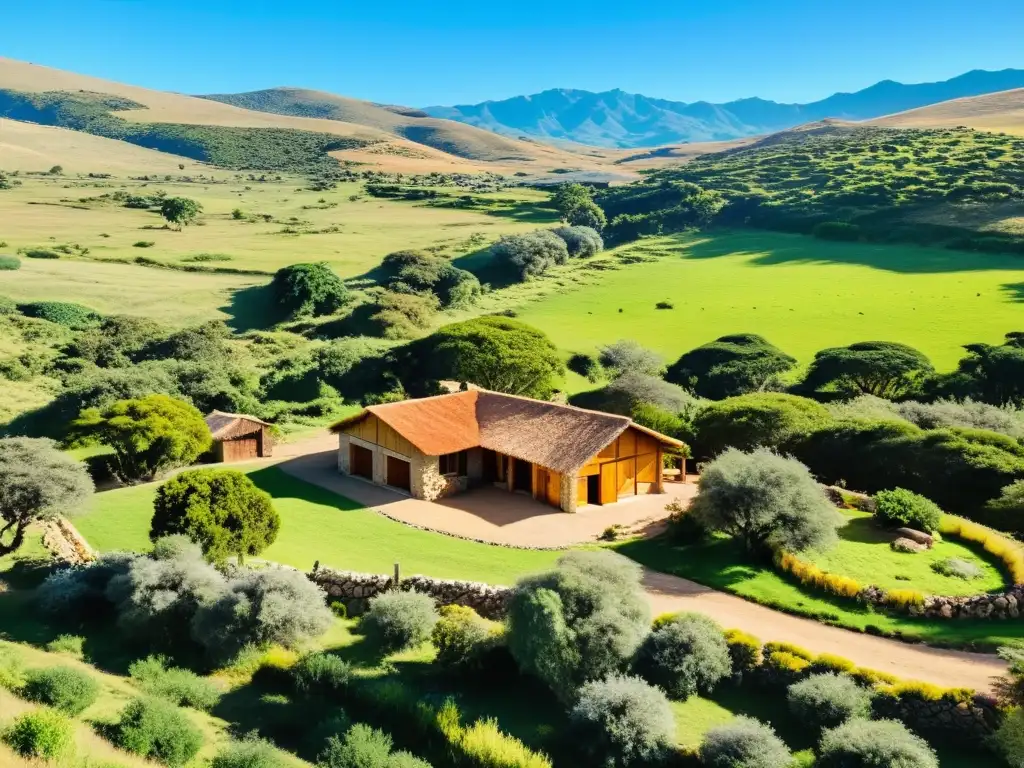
(731, 365)
(149, 436)
(881, 368)
(221, 510)
(586, 213)
(532, 254)
(759, 420)
(628, 356)
(582, 242)
(765, 500)
(37, 482)
(309, 290)
(181, 211)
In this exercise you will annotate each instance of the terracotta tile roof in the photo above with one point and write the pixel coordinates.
(559, 437)
(224, 426)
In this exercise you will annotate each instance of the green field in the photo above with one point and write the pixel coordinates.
(802, 294)
(319, 525)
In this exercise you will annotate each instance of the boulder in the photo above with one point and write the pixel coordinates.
(920, 537)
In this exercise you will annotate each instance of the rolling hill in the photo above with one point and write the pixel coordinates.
(625, 120)
(209, 130)
(998, 112)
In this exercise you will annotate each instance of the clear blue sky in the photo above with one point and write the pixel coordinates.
(418, 52)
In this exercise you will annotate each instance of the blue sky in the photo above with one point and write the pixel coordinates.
(451, 51)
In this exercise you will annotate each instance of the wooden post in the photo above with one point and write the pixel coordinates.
(510, 471)
(398, 575)
(682, 468)
(659, 474)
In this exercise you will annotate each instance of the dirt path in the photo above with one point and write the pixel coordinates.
(671, 593)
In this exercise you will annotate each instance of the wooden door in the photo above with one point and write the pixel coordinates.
(609, 486)
(581, 491)
(625, 476)
(554, 489)
(540, 485)
(360, 462)
(399, 473)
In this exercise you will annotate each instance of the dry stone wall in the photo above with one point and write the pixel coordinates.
(355, 590)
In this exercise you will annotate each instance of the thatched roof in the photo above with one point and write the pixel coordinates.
(559, 437)
(226, 426)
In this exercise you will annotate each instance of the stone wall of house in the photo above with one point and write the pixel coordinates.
(344, 454)
(356, 590)
(568, 493)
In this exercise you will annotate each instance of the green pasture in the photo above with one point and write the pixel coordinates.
(801, 293)
(317, 525)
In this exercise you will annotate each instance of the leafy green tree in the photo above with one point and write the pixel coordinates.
(37, 482)
(759, 420)
(309, 290)
(496, 353)
(881, 368)
(995, 373)
(181, 211)
(221, 510)
(116, 342)
(532, 254)
(149, 435)
(568, 196)
(766, 501)
(580, 622)
(730, 365)
(586, 213)
(582, 241)
(628, 356)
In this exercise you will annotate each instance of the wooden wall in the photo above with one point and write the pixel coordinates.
(373, 430)
(627, 466)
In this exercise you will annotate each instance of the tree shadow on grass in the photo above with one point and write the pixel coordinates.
(527, 211)
(252, 308)
(768, 707)
(1014, 291)
(767, 248)
(281, 485)
(719, 563)
(864, 530)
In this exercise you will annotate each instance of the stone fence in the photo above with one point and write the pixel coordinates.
(1000, 605)
(355, 590)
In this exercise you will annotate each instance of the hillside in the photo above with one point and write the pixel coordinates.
(619, 119)
(1000, 112)
(211, 131)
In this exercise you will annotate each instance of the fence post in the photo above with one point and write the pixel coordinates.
(398, 575)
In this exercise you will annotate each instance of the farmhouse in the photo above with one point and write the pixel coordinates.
(237, 437)
(563, 456)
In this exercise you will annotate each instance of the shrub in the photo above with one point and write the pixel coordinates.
(1009, 738)
(178, 686)
(880, 368)
(626, 355)
(630, 390)
(143, 244)
(744, 650)
(361, 747)
(623, 721)
(586, 366)
(463, 638)
(76, 594)
(664, 305)
(486, 746)
(321, 673)
(900, 507)
(868, 743)
(1005, 512)
(309, 289)
(582, 621)
(43, 734)
(761, 420)
(903, 598)
(532, 254)
(827, 700)
(689, 654)
(67, 690)
(399, 620)
(222, 510)
(784, 668)
(251, 752)
(73, 316)
(159, 730)
(744, 743)
(9, 263)
(69, 644)
(12, 672)
(812, 576)
(40, 253)
(871, 678)
(582, 242)
(765, 500)
(827, 662)
(270, 605)
(8, 306)
(1009, 551)
(731, 365)
(957, 568)
(800, 652)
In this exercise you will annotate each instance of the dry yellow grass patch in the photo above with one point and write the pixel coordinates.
(1001, 112)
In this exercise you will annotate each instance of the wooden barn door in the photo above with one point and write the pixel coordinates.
(360, 461)
(399, 473)
(609, 486)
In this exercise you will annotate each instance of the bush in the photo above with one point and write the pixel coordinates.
(744, 650)
(12, 672)
(143, 244)
(178, 686)
(302, 290)
(43, 735)
(761, 420)
(399, 620)
(222, 510)
(586, 366)
(869, 743)
(9, 263)
(463, 638)
(900, 507)
(251, 752)
(813, 576)
(40, 253)
(881, 368)
(766, 501)
(365, 747)
(630, 390)
(627, 356)
(827, 700)
(69, 644)
(270, 605)
(732, 365)
(158, 730)
(1007, 511)
(582, 242)
(623, 721)
(744, 743)
(532, 254)
(486, 746)
(77, 594)
(958, 569)
(323, 674)
(687, 655)
(67, 690)
(73, 316)
(582, 621)
(8, 306)
(1008, 740)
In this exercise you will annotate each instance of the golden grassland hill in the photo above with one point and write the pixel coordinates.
(443, 145)
(999, 112)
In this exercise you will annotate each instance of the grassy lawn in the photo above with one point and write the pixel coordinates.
(721, 564)
(320, 525)
(863, 553)
(801, 293)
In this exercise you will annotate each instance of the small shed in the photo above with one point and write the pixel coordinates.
(237, 437)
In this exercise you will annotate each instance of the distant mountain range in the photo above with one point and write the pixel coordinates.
(619, 119)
